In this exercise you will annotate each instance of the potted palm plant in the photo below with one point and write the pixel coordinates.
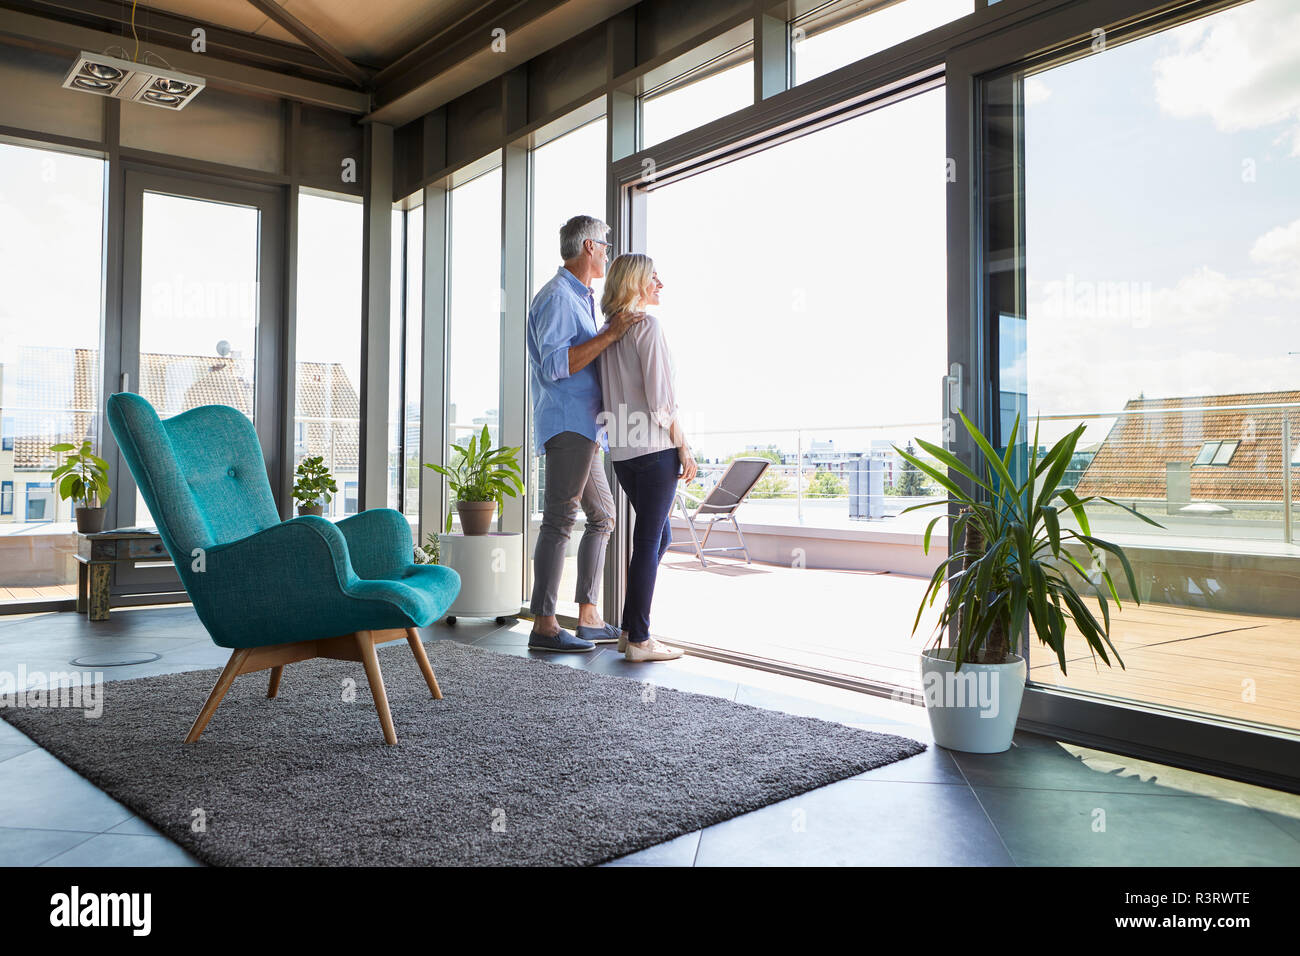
(1014, 563)
(313, 486)
(480, 477)
(83, 478)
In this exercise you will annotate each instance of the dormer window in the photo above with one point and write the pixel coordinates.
(1216, 453)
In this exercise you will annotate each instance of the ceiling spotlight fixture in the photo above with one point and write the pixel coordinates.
(142, 82)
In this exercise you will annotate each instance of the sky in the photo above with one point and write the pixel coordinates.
(1169, 167)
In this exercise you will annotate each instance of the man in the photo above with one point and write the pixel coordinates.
(563, 343)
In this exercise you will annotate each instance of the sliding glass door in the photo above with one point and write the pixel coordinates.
(804, 303)
(1143, 273)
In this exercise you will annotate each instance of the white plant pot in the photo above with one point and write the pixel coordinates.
(973, 710)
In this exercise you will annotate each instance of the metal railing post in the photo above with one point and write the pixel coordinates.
(798, 473)
(1286, 475)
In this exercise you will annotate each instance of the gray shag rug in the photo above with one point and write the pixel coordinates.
(523, 762)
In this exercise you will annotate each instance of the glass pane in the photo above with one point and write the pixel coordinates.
(568, 180)
(198, 307)
(474, 322)
(1224, 455)
(395, 362)
(1164, 324)
(696, 99)
(414, 354)
(328, 342)
(51, 205)
(834, 351)
(837, 34)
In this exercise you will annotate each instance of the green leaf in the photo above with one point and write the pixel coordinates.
(1076, 507)
(1053, 524)
(1123, 560)
(991, 458)
(952, 461)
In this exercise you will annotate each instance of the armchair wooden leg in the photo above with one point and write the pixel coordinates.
(272, 690)
(421, 658)
(232, 670)
(366, 648)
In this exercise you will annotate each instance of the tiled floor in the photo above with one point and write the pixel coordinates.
(1042, 803)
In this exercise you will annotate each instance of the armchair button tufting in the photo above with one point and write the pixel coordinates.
(231, 471)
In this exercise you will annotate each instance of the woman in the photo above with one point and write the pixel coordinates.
(646, 442)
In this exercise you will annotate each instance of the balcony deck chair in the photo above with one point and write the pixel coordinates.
(274, 592)
(720, 504)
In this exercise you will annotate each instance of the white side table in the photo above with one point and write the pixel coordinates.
(491, 569)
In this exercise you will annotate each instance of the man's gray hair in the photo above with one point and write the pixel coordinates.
(577, 231)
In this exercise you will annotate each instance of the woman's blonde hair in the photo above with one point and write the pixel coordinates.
(625, 283)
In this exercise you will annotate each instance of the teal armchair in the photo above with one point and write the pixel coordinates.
(274, 591)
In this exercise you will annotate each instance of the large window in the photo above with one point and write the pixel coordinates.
(404, 360)
(413, 344)
(1160, 243)
(51, 205)
(804, 303)
(328, 340)
(474, 317)
(832, 35)
(568, 179)
(721, 85)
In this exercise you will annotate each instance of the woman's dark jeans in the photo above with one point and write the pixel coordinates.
(650, 482)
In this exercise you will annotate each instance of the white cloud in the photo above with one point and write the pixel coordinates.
(1279, 246)
(1238, 68)
(1036, 91)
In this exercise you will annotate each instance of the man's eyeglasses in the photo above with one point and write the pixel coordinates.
(609, 246)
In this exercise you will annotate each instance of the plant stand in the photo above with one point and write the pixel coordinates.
(491, 569)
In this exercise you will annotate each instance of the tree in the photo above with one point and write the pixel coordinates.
(771, 485)
(910, 484)
(770, 453)
(826, 485)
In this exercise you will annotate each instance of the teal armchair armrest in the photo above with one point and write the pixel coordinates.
(379, 542)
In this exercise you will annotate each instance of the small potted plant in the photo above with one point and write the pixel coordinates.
(83, 478)
(427, 553)
(480, 477)
(313, 486)
(1012, 564)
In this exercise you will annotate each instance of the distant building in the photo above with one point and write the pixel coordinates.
(1213, 452)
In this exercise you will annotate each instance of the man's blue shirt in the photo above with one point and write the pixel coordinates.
(562, 315)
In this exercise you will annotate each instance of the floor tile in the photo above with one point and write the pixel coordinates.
(42, 793)
(22, 846)
(1036, 762)
(124, 849)
(859, 823)
(13, 750)
(136, 825)
(1083, 828)
(677, 852)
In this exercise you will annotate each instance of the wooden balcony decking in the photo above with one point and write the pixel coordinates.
(54, 592)
(1233, 665)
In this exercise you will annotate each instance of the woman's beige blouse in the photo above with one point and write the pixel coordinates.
(636, 383)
